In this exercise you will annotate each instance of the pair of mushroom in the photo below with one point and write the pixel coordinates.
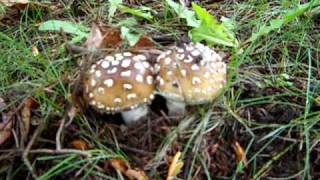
(126, 83)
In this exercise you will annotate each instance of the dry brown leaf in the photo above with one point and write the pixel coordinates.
(12, 7)
(240, 153)
(136, 174)
(144, 42)
(119, 164)
(5, 128)
(10, 3)
(22, 4)
(123, 167)
(102, 36)
(79, 144)
(29, 103)
(175, 166)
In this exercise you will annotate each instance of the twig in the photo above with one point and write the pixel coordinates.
(27, 150)
(71, 48)
(78, 173)
(150, 51)
(79, 49)
(59, 132)
(49, 151)
(132, 149)
(61, 151)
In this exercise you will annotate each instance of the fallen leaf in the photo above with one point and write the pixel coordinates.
(22, 4)
(79, 144)
(240, 153)
(123, 167)
(175, 166)
(119, 164)
(29, 103)
(5, 128)
(9, 8)
(10, 3)
(102, 36)
(144, 42)
(136, 174)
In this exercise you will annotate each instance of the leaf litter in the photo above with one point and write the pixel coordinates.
(222, 147)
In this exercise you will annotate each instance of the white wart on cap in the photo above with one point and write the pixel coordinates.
(191, 74)
(122, 82)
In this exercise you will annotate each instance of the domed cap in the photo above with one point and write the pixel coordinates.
(193, 73)
(119, 82)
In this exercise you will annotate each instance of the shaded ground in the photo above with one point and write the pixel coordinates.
(270, 108)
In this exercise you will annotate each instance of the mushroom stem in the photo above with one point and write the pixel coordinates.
(132, 116)
(176, 108)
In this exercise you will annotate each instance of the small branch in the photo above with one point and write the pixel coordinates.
(59, 132)
(49, 151)
(27, 150)
(80, 49)
(71, 48)
(135, 150)
(61, 151)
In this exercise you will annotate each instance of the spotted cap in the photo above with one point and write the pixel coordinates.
(119, 82)
(193, 73)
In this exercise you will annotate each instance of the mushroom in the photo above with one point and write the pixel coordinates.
(189, 75)
(121, 83)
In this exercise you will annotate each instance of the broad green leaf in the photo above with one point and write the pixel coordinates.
(114, 4)
(65, 26)
(211, 31)
(141, 12)
(289, 16)
(279, 22)
(185, 13)
(131, 37)
(127, 22)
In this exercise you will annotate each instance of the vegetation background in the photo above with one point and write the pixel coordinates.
(264, 126)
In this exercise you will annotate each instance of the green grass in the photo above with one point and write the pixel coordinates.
(275, 75)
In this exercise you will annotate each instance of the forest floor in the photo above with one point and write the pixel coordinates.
(266, 124)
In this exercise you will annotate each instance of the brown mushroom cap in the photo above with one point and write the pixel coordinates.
(119, 82)
(193, 73)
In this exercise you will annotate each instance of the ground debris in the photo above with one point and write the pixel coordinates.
(28, 105)
(5, 127)
(175, 166)
(102, 36)
(132, 173)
